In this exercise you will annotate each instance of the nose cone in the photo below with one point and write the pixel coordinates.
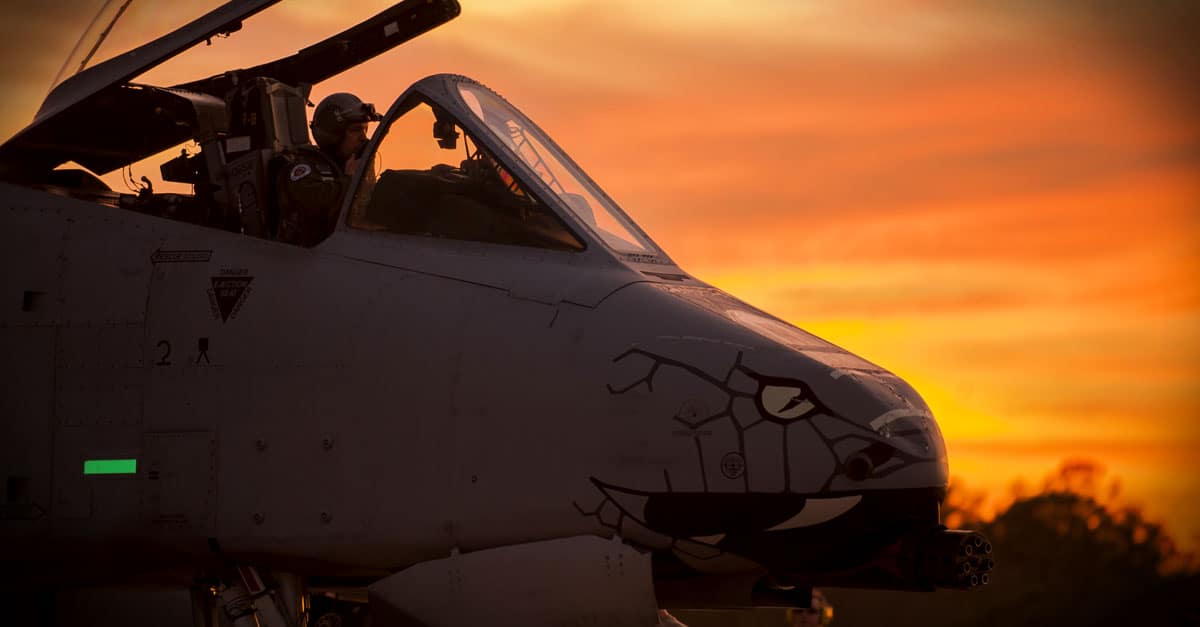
(787, 450)
(800, 414)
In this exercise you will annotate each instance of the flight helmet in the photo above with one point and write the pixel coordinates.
(335, 113)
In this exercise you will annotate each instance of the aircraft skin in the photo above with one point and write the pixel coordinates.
(387, 410)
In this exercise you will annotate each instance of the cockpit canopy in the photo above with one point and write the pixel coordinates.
(554, 168)
(486, 173)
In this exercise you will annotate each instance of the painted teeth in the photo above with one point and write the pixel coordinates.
(817, 511)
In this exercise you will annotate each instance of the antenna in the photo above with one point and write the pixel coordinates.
(103, 35)
(63, 70)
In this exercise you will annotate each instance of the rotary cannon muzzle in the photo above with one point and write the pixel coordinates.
(954, 558)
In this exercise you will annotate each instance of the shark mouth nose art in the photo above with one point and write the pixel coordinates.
(813, 535)
(828, 468)
(711, 517)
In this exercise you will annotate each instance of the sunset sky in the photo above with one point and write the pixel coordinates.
(999, 200)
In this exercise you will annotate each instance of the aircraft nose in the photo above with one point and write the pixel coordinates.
(791, 420)
(835, 465)
(768, 444)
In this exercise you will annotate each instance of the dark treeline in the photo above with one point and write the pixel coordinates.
(1066, 556)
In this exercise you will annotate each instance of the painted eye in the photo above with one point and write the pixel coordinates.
(787, 402)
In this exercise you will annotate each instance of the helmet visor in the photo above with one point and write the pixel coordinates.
(364, 112)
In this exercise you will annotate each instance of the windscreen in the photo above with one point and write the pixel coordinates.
(556, 171)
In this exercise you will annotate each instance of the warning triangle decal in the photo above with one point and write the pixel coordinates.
(229, 291)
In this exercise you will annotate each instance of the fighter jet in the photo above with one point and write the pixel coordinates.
(485, 397)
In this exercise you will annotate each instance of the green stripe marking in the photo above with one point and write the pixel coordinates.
(110, 466)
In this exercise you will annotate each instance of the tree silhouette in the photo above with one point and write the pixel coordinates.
(1066, 556)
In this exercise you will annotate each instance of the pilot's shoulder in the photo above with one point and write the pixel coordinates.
(303, 162)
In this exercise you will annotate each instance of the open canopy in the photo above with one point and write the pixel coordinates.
(100, 120)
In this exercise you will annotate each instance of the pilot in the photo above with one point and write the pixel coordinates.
(339, 127)
(311, 182)
(821, 612)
